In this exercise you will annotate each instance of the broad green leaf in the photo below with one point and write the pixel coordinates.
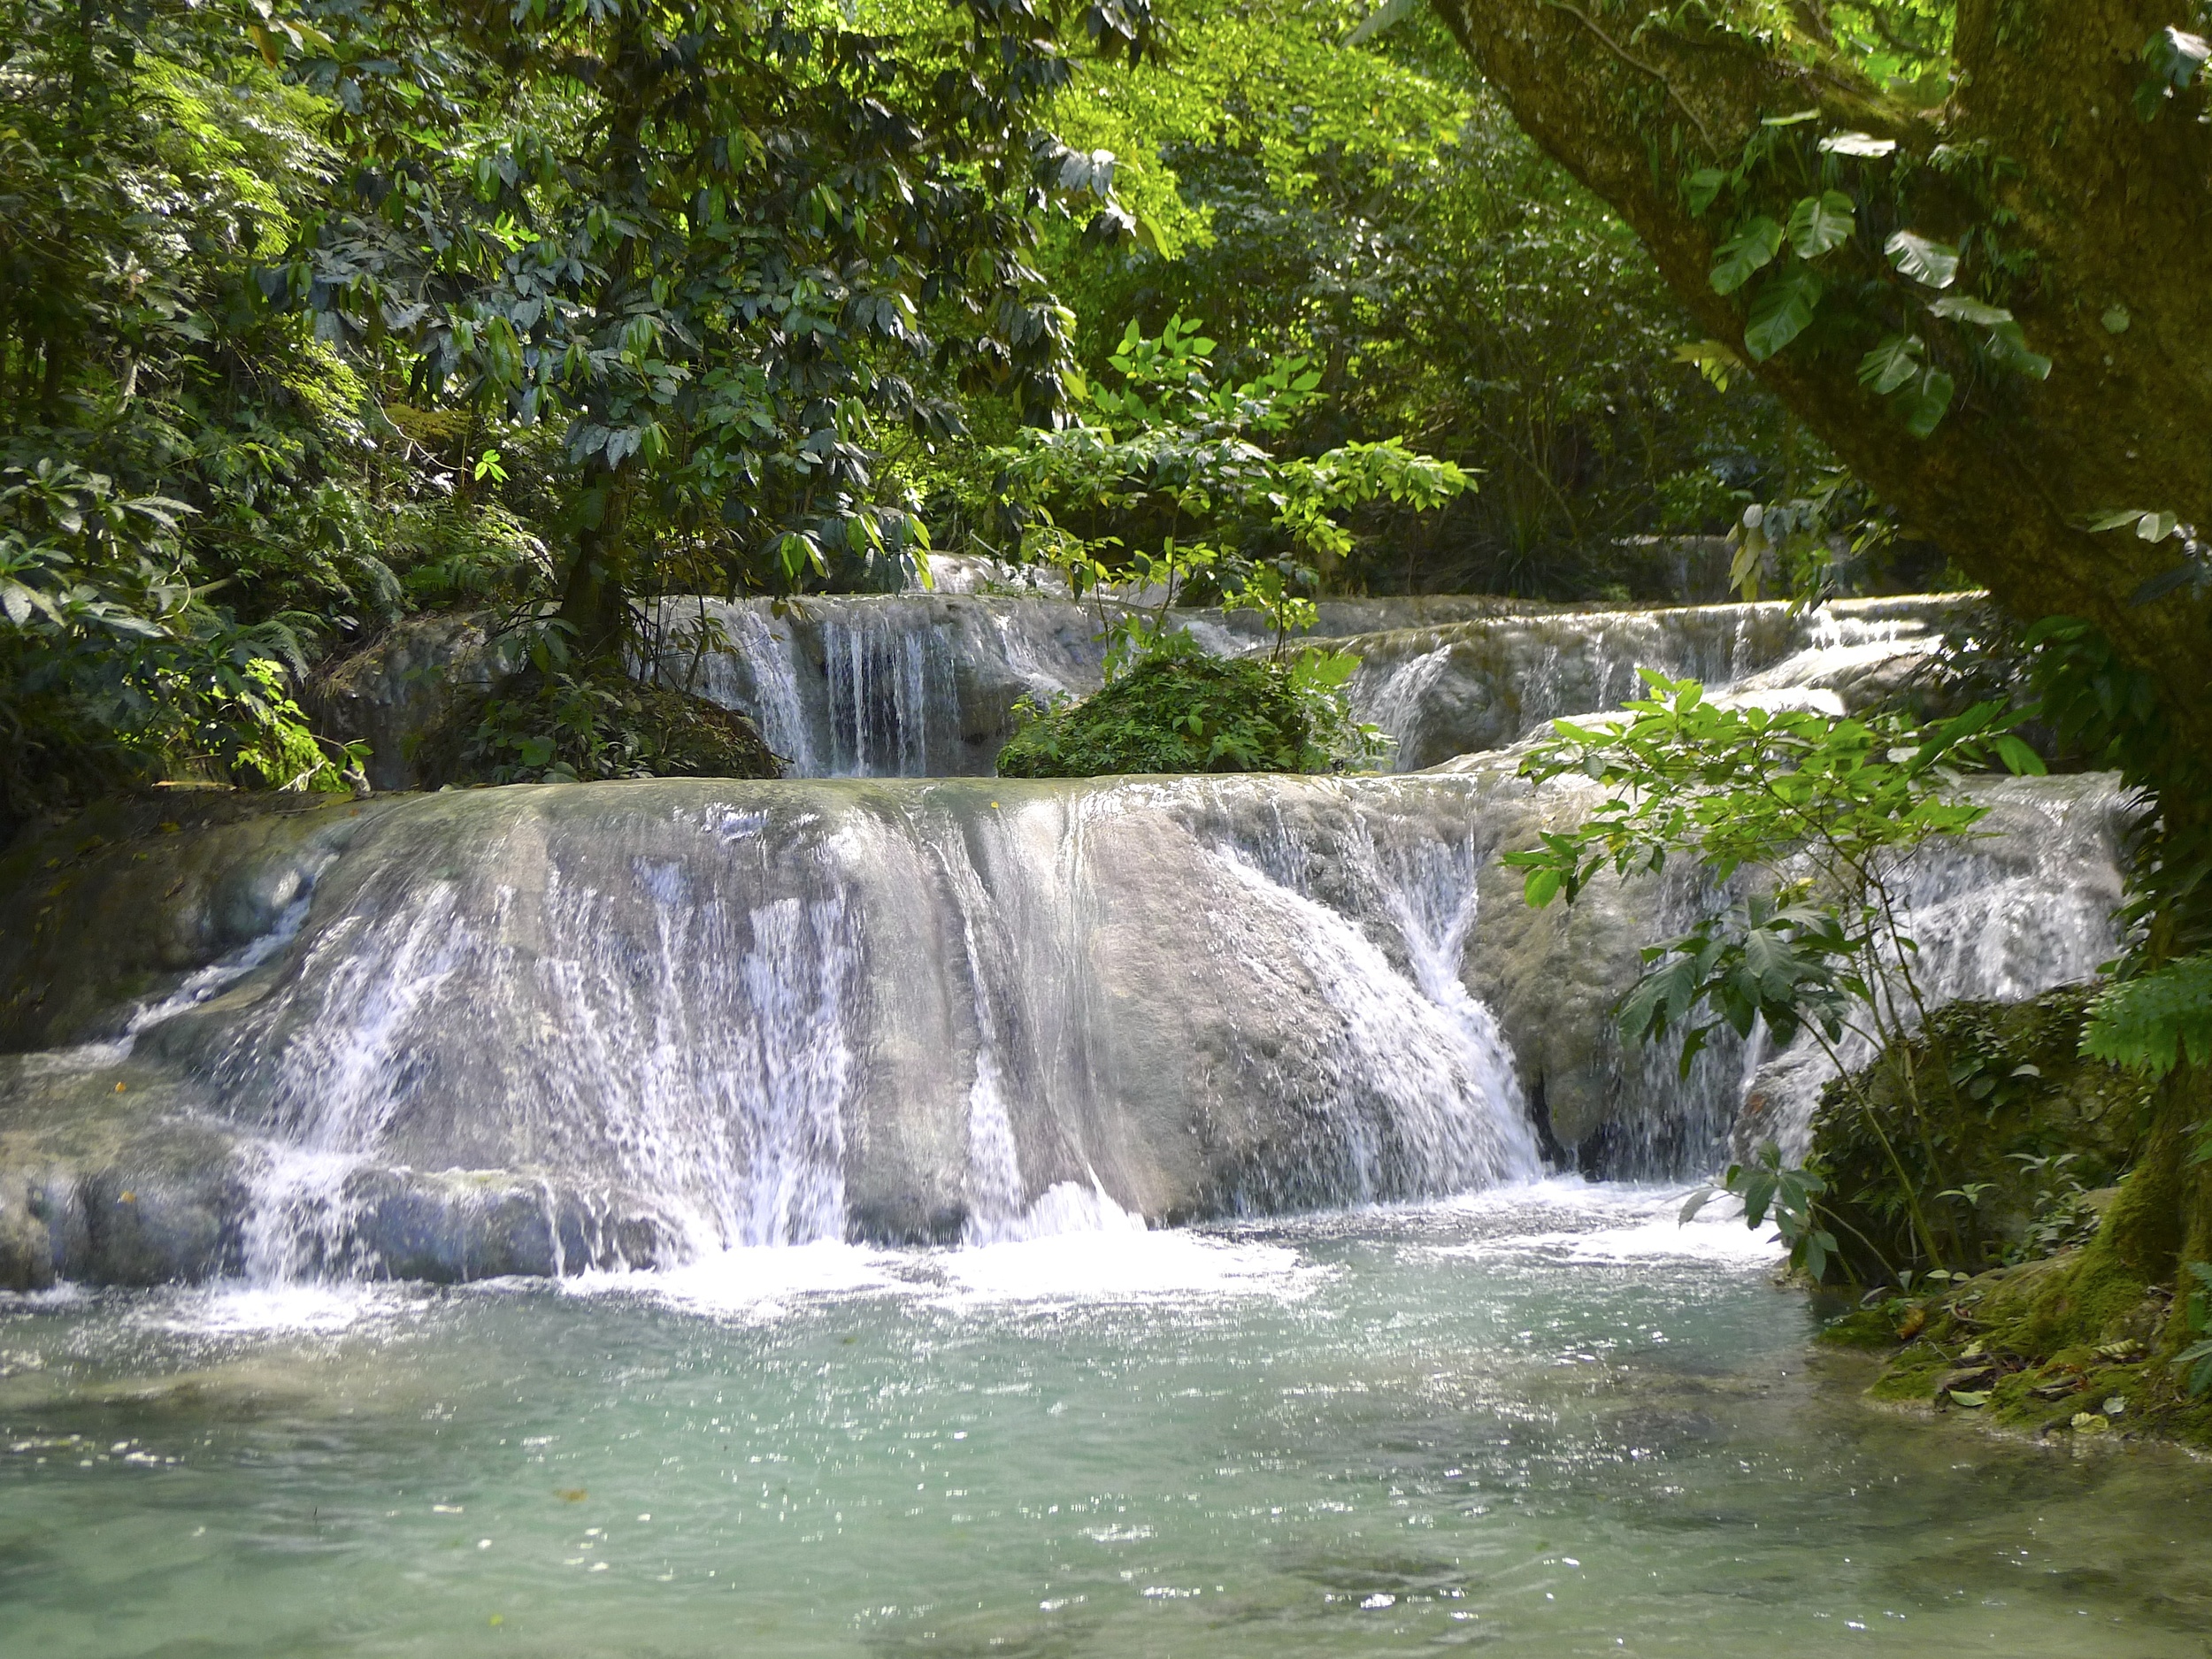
(1819, 224)
(1696, 1201)
(1737, 259)
(1542, 887)
(2020, 759)
(1923, 259)
(1928, 402)
(1862, 144)
(1780, 312)
(2118, 519)
(2010, 345)
(1963, 308)
(1703, 186)
(1797, 119)
(1890, 364)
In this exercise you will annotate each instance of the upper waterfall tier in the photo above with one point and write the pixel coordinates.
(925, 686)
(538, 1028)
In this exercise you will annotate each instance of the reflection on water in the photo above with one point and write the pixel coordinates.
(1547, 1420)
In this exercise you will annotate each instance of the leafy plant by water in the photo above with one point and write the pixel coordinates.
(1820, 817)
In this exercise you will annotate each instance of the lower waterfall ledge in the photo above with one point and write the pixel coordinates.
(673, 1017)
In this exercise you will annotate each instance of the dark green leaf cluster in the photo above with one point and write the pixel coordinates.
(2195, 1361)
(560, 719)
(1791, 1195)
(1182, 711)
(1736, 787)
(1806, 218)
(722, 247)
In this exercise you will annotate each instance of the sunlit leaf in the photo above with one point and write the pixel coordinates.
(1923, 259)
(1861, 144)
(1819, 224)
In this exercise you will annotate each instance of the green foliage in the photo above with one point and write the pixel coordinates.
(1444, 277)
(724, 248)
(1837, 279)
(2151, 1022)
(2195, 1361)
(1821, 813)
(1173, 462)
(1792, 1196)
(1992, 1120)
(1178, 710)
(1750, 787)
(175, 529)
(560, 719)
(112, 669)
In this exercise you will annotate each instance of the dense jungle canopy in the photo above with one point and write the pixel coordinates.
(315, 316)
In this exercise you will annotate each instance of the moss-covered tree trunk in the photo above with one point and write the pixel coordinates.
(2114, 214)
(2117, 211)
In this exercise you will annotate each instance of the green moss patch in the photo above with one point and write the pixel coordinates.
(1986, 1353)
(2005, 1131)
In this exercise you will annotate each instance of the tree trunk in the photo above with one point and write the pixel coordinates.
(596, 598)
(2117, 211)
(2117, 214)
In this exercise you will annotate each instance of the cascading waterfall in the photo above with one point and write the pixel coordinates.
(911, 685)
(538, 1030)
(1473, 687)
(549, 1029)
(1996, 918)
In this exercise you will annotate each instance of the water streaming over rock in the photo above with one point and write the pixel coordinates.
(547, 1029)
(914, 684)
(528, 1030)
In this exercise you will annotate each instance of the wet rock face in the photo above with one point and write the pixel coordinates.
(532, 1029)
(120, 904)
(110, 1186)
(396, 688)
(529, 1029)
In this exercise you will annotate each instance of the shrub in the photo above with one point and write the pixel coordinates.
(1178, 711)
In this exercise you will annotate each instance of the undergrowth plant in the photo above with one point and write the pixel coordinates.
(1815, 820)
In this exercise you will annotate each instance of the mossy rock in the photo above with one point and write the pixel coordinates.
(1999, 1084)
(598, 724)
(1176, 714)
(1988, 1351)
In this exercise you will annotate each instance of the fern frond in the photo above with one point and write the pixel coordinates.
(2147, 1025)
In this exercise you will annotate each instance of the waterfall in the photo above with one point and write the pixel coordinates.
(551, 1028)
(1997, 916)
(1477, 686)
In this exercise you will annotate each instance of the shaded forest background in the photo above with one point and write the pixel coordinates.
(258, 272)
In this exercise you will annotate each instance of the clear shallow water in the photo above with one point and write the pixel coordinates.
(1547, 1421)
